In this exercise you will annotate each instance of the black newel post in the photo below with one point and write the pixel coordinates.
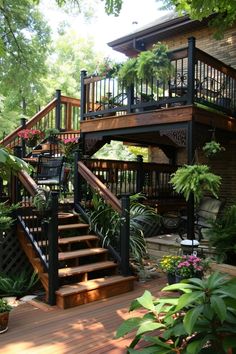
(190, 203)
(140, 174)
(125, 235)
(191, 69)
(83, 74)
(53, 250)
(23, 125)
(77, 180)
(58, 109)
(14, 188)
(130, 98)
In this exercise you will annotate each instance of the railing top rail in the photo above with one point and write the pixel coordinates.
(72, 100)
(125, 165)
(215, 63)
(100, 187)
(29, 124)
(28, 182)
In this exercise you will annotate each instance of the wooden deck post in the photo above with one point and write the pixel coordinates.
(191, 69)
(77, 180)
(125, 235)
(23, 125)
(53, 251)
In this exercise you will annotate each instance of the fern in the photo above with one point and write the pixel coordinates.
(196, 180)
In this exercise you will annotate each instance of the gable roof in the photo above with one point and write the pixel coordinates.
(163, 27)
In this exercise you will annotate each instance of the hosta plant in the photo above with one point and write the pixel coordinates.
(201, 320)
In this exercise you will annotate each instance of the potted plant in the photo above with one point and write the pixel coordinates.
(42, 201)
(31, 136)
(200, 321)
(153, 63)
(51, 135)
(211, 148)
(168, 264)
(5, 308)
(196, 180)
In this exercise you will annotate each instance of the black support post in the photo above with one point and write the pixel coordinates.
(130, 98)
(83, 74)
(140, 175)
(190, 203)
(125, 235)
(191, 69)
(53, 251)
(58, 109)
(23, 125)
(77, 180)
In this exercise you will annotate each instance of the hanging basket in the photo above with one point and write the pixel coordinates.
(32, 142)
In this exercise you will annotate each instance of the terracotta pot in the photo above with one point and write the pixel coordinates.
(4, 316)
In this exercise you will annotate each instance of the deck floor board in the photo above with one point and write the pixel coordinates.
(86, 329)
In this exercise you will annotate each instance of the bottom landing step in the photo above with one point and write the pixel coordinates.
(92, 290)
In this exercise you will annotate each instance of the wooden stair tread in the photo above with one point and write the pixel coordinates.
(81, 253)
(63, 272)
(73, 239)
(63, 227)
(66, 290)
(72, 226)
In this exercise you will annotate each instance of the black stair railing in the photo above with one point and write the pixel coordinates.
(84, 183)
(40, 227)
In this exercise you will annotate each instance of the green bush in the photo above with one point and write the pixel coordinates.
(201, 320)
(17, 285)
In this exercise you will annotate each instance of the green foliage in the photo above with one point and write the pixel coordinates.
(128, 72)
(222, 235)
(212, 147)
(195, 179)
(4, 306)
(18, 285)
(224, 12)
(201, 320)
(11, 164)
(115, 150)
(24, 51)
(6, 220)
(107, 222)
(42, 200)
(153, 63)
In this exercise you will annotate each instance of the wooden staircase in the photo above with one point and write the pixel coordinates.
(86, 272)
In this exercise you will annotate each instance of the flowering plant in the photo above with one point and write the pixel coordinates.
(169, 263)
(29, 134)
(190, 266)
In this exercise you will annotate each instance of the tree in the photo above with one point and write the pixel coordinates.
(224, 12)
(24, 46)
(71, 54)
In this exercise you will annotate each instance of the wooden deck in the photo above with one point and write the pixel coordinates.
(82, 330)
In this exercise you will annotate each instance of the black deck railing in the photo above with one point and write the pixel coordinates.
(197, 78)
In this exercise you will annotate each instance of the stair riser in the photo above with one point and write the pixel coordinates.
(72, 300)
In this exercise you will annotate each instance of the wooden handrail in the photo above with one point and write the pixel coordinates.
(28, 182)
(35, 119)
(100, 187)
(71, 100)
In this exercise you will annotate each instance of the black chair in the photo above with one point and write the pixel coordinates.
(207, 212)
(50, 171)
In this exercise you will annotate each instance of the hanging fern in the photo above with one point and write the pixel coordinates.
(195, 179)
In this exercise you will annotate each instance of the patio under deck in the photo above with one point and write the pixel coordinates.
(35, 329)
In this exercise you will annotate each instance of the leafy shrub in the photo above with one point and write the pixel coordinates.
(17, 285)
(202, 320)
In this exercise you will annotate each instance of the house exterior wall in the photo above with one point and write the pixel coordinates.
(223, 49)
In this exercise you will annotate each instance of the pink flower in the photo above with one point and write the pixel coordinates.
(70, 140)
(29, 134)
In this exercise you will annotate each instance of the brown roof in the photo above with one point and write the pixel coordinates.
(157, 30)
